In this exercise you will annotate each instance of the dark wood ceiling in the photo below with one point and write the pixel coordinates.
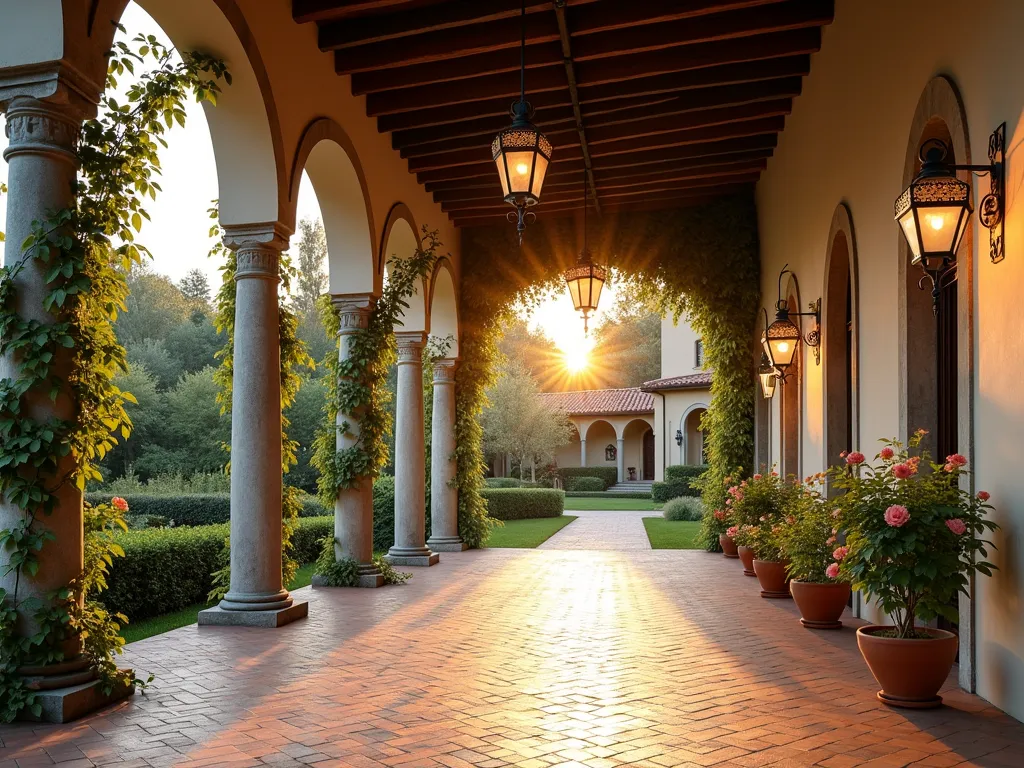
(664, 102)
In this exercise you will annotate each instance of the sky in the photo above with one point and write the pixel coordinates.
(178, 233)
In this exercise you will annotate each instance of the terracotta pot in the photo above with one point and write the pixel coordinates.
(728, 546)
(746, 555)
(909, 671)
(820, 605)
(772, 576)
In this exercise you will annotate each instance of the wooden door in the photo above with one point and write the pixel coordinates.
(648, 455)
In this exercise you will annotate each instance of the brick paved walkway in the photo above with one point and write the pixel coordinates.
(528, 658)
(615, 531)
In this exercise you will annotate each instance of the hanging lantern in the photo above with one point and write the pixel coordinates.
(521, 152)
(586, 281)
(768, 375)
(782, 337)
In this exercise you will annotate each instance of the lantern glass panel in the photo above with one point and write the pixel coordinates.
(596, 286)
(538, 176)
(783, 337)
(520, 166)
(909, 224)
(574, 293)
(768, 382)
(940, 226)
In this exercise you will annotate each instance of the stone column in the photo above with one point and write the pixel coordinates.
(410, 472)
(444, 499)
(583, 451)
(256, 596)
(353, 508)
(620, 458)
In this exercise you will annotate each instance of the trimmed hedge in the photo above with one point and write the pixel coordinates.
(685, 471)
(584, 484)
(197, 509)
(502, 482)
(672, 489)
(167, 569)
(523, 503)
(610, 475)
(608, 495)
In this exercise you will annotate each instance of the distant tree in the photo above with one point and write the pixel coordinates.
(306, 414)
(195, 287)
(192, 344)
(518, 421)
(627, 342)
(155, 305)
(532, 350)
(152, 355)
(311, 280)
(146, 416)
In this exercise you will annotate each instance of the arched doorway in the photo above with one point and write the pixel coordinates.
(839, 339)
(693, 435)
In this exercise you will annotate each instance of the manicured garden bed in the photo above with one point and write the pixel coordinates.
(610, 503)
(671, 534)
(527, 534)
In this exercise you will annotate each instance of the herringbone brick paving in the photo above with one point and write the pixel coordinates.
(528, 658)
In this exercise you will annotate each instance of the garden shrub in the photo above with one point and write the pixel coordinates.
(609, 475)
(683, 508)
(685, 471)
(523, 503)
(672, 489)
(584, 484)
(167, 569)
(195, 509)
(502, 482)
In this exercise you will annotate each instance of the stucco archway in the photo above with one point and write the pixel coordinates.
(327, 155)
(400, 240)
(444, 307)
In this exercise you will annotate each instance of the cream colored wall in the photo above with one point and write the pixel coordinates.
(678, 356)
(846, 142)
(679, 403)
(602, 432)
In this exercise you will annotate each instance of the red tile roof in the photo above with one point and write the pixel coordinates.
(601, 402)
(691, 381)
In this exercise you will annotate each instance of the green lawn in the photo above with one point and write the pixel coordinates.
(671, 534)
(527, 534)
(140, 630)
(573, 503)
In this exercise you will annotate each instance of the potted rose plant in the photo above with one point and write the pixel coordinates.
(720, 522)
(914, 535)
(758, 508)
(811, 546)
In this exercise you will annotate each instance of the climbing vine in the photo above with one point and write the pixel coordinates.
(64, 359)
(700, 261)
(294, 358)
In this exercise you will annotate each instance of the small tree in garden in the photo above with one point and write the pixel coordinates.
(913, 533)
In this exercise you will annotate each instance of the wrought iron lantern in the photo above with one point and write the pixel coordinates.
(781, 339)
(679, 438)
(521, 152)
(585, 279)
(768, 375)
(934, 211)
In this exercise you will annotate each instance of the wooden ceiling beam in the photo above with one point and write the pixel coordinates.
(305, 11)
(597, 99)
(635, 67)
(485, 171)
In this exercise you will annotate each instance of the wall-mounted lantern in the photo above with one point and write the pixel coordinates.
(768, 375)
(934, 211)
(679, 438)
(521, 152)
(781, 339)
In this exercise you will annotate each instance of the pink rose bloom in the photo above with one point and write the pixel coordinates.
(855, 458)
(719, 514)
(949, 468)
(763, 518)
(921, 431)
(842, 454)
(836, 513)
(832, 571)
(119, 504)
(903, 471)
(840, 553)
(897, 515)
(984, 495)
(887, 453)
(732, 531)
(830, 540)
(956, 460)
(757, 477)
(790, 519)
(957, 526)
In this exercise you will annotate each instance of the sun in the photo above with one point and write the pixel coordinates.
(576, 358)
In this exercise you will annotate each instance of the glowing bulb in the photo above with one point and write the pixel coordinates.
(936, 222)
(522, 169)
(783, 346)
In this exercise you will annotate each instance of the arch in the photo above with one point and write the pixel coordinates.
(244, 126)
(792, 395)
(693, 434)
(400, 240)
(443, 308)
(328, 155)
(634, 449)
(940, 114)
(840, 353)
(590, 426)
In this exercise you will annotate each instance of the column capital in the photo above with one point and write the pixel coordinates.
(353, 310)
(410, 346)
(444, 370)
(57, 83)
(258, 248)
(42, 128)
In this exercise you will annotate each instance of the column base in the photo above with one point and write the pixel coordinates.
(447, 544)
(412, 556)
(62, 705)
(218, 617)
